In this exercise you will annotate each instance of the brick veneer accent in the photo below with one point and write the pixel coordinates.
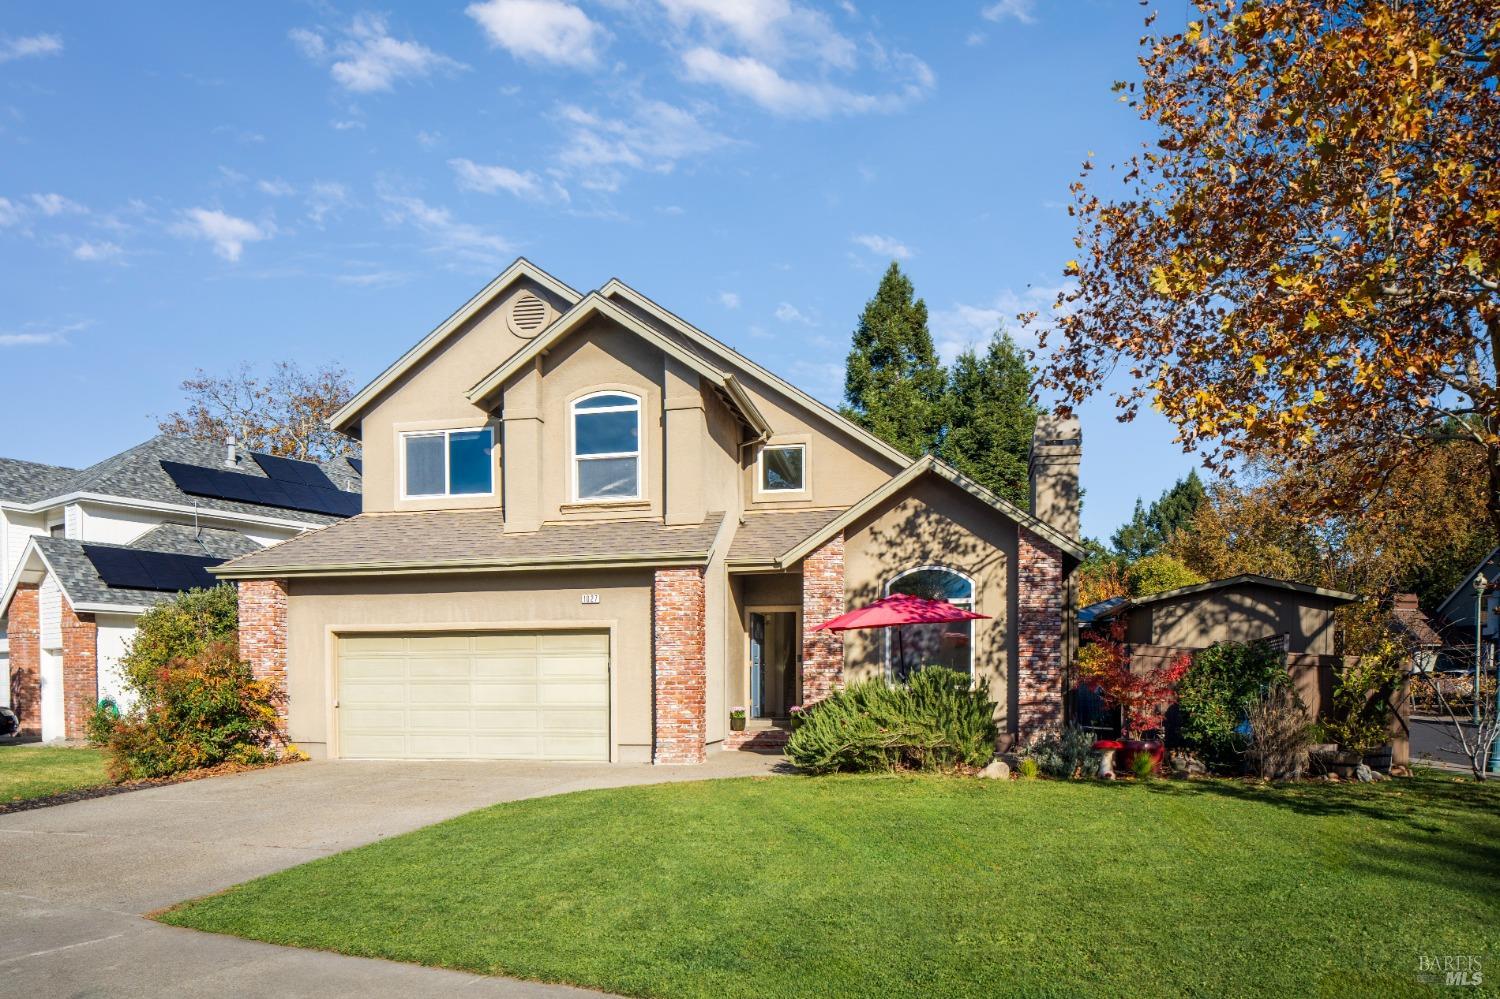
(1039, 635)
(263, 633)
(679, 674)
(822, 600)
(80, 670)
(24, 631)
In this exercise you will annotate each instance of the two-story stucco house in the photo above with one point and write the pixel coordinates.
(590, 530)
(85, 552)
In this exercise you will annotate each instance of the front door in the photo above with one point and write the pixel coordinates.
(773, 662)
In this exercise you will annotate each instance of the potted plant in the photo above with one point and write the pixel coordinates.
(737, 719)
(795, 713)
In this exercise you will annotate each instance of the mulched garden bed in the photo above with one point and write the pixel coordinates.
(105, 790)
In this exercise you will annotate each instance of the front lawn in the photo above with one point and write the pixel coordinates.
(39, 771)
(868, 886)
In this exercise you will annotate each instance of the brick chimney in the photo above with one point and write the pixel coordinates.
(1404, 601)
(1056, 449)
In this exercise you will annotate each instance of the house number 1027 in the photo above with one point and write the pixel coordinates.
(589, 598)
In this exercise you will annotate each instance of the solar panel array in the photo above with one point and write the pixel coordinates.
(294, 485)
(358, 464)
(126, 568)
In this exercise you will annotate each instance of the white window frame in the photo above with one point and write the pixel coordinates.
(447, 492)
(969, 604)
(760, 469)
(637, 406)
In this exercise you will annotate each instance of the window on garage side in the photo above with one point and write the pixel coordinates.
(606, 447)
(448, 463)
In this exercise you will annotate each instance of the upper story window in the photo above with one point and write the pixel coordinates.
(448, 463)
(783, 468)
(606, 447)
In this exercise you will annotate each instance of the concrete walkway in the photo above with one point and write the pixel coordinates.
(76, 879)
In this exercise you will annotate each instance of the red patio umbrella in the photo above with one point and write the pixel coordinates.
(896, 610)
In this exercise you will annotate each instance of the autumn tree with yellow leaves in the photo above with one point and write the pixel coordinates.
(1303, 270)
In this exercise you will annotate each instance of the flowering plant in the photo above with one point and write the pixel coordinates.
(736, 712)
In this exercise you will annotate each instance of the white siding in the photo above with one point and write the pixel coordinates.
(51, 613)
(116, 631)
(73, 521)
(18, 528)
(112, 526)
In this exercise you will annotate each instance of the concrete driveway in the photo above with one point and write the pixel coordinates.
(76, 879)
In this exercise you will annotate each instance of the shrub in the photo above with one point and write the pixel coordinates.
(1027, 769)
(1362, 697)
(1217, 691)
(936, 720)
(1065, 754)
(1280, 732)
(178, 629)
(102, 721)
(198, 710)
(1143, 765)
(1143, 697)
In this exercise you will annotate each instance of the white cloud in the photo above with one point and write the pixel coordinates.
(347, 125)
(10, 212)
(1023, 11)
(36, 335)
(444, 233)
(366, 58)
(373, 279)
(277, 188)
(56, 204)
(964, 325)
(30, 45)
(773, 30)
(652, 136)
(729, 299)
(549, 31)
(91, 251)
(884, 246)
(789, 313)
(227, 233)
(473, 176)
(762, 83)
(324, 198)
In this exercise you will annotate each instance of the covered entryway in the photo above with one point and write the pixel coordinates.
(538, 695)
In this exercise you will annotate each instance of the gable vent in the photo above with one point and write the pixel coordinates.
(527, 315)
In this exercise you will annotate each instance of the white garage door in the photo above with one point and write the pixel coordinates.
(499, 696)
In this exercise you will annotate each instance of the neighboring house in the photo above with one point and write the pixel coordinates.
(83, 552)
(1454, 619)
(590, 530)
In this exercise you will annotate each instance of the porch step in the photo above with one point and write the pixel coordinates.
(760, 734)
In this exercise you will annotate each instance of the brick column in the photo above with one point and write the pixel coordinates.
(26, 658)
(1039, 635)
(80, 669)
(822, 600)
(263, 633)
(679, 674)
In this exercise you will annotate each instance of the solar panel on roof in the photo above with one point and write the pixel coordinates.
(126, 568)
(358, 464)
(292, 470)
(288, 494)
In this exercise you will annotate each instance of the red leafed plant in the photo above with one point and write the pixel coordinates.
(1104, 663)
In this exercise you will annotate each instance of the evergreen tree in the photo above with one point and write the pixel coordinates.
(1150, 528)
(893, 384)
(990, 417)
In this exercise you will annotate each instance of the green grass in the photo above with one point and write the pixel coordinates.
(868, 886)
(37, 771)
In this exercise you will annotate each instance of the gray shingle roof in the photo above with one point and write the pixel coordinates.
(137, 474)
(80, 581)
(29, 481)
(184, 540)
(459, 538)
(767, 535)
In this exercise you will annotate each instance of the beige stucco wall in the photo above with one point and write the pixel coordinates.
(431, 397)
(1238, 614)
(318, 610)
(934, 524)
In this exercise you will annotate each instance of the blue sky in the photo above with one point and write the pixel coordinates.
(198, 185)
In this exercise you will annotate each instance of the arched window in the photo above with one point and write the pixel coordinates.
(606, 447)
(913, 646)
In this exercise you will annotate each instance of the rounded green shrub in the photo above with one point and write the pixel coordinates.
(938, 720)
(1218, 690)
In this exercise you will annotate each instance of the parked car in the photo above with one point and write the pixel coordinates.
(9, 723)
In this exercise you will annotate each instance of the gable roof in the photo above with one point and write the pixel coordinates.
(520, 268)
(473, 541)
(136, 474)
(1115, 605)
(754, 551)
(716, 348)
(594, 304)
(29, 481)
(1465, 589)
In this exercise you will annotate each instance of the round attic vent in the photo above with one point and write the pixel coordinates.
(526, 315)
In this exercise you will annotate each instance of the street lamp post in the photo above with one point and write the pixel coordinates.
(1479, 586)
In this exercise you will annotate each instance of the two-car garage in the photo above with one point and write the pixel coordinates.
(521, 695)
